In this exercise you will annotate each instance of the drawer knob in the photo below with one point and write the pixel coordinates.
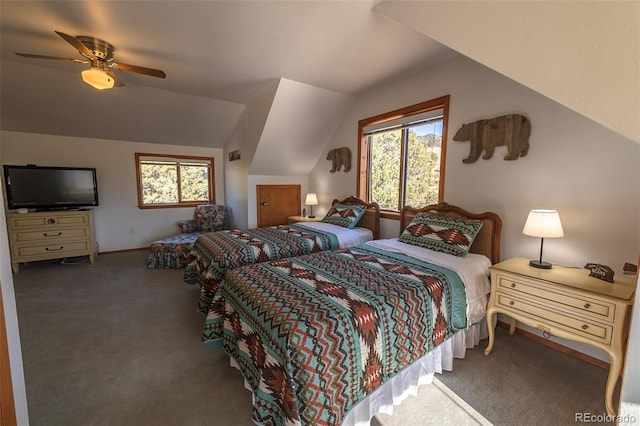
(52, 235)
(585, 326)
(587, 305)
(512, 303)
(54, 249)
(51, 221)
(513, 285)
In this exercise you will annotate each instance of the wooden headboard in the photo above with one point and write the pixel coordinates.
(487, 241)
(371, 218)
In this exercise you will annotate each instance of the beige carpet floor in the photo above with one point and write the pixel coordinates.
(435, 404)
(115, 343)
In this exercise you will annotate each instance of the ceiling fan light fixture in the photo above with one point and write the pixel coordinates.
(99, 54)
(98, 79)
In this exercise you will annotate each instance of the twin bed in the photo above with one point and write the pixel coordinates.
(336, 336)
(348, 223)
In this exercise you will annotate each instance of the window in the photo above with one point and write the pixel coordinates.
(174, 181)
(402, 156)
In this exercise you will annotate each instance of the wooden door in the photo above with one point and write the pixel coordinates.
(276, 203)
(7, 407)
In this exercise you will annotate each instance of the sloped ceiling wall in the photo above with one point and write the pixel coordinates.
(245, 138)
(32, 104)
(301, 121)
(583, 55)
(294, 120)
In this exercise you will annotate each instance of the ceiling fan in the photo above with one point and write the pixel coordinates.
(99, 54)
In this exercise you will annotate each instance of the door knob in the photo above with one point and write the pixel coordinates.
(263, 203)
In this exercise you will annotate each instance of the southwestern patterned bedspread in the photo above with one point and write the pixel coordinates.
(314, 335)
(218, 252)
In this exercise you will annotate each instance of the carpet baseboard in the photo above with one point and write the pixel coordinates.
(124, 250)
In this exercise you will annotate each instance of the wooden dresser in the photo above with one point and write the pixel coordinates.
(50, 235)
(565, 302)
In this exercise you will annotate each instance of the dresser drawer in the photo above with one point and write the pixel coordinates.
(53, 249)
(576, 325)
(44, 220)
(50, 234)
(579, 303)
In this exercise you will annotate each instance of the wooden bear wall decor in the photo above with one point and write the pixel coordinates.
(510, 130)
(340, 157)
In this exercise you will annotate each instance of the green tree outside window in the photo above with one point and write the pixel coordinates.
(174, 181)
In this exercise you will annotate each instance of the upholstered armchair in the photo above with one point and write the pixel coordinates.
(206, 218)
(175, 251)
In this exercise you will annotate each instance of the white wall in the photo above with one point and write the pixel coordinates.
(280, 135)
(11, 320)
(588, 173)
(574, 165)
(116, 173)
(301, 120)
(245, 137)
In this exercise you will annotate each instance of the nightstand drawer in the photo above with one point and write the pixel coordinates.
(587, 329)
(575, 302)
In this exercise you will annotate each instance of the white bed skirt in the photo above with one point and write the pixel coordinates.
(406, 383)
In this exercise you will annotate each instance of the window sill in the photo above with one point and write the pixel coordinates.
(390, 214)
(172, 206)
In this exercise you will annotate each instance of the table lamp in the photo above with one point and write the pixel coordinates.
(543, 224)
(311, 200)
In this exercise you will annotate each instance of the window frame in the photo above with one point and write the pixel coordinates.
(210, 161)
(362, 185)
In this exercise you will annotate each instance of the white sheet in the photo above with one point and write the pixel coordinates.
(472, 269)
(346, 237)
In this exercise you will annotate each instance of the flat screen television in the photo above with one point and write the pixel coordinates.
(50, 188)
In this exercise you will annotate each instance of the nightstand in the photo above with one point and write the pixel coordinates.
(295, 219)
(568, 303)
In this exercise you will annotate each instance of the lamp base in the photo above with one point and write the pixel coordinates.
(540, 264)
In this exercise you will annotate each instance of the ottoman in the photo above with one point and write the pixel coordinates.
(172, 252)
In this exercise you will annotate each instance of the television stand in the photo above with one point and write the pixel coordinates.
(50, 235)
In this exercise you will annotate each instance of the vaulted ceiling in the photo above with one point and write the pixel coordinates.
(217, 56)
(582, 54)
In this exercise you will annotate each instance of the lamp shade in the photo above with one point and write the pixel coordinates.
(97, 78)
(543, 224)
(311, 200)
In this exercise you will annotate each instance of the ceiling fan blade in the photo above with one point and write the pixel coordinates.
(84, 50)
(57, 58)
(140, 70)
(116, 80)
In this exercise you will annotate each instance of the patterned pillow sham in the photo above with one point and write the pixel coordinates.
(444, 234)
(344, 215)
